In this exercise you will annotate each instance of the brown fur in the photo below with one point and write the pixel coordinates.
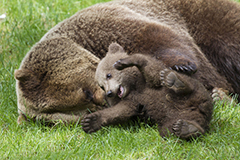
(173, 31)
(177, 103)
(215, 28)
(153, 28)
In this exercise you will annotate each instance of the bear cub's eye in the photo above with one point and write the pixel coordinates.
(102, 88)
(109, 76)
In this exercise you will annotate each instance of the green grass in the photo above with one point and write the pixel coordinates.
(26, 23)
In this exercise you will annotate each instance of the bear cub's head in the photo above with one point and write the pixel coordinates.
(116, 84)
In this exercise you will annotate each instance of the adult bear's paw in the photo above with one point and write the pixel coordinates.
(188, 68)
(179, 62)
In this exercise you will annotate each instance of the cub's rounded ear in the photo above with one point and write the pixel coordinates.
(114, 48)
(22, 74)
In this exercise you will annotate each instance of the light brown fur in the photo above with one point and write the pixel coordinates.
(50, 86)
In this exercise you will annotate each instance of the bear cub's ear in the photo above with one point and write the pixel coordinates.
(115, 48)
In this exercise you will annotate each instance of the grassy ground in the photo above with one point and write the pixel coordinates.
(26, 23)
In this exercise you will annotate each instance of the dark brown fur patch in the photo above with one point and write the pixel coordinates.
(176, 102)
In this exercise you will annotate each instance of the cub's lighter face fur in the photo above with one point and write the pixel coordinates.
(110, 79)
(116, 84)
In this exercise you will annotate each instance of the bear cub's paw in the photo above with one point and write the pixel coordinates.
(186, 129)
(170, 79)
(91, 122)
(123, 63)
(167, 78)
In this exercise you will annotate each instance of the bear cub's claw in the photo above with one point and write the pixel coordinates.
(122, 63)
(173, 81)
(91, 123)
(185, 130)
(167, 78)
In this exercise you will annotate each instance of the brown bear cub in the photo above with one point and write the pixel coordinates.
(140, 85)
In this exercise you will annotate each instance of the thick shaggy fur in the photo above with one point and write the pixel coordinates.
(51, 86)
(177, 103)
(185, 35)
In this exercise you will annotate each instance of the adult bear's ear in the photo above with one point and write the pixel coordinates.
(114, 48)
(22, 74)
(26, 75)
(28, 79)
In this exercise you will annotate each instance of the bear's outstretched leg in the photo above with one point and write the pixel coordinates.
(150, 68)
(137, 60)
(119, 113)
(175, 82)
(140, 61)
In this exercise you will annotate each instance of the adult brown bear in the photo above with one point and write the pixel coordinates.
(173, 31)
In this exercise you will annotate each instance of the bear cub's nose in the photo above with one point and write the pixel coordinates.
(110, 93)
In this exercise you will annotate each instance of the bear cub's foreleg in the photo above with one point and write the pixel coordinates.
(119, 113)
